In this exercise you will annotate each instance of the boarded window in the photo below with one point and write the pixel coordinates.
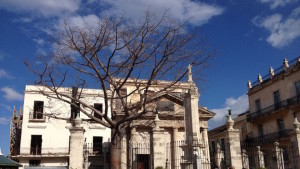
(165, 106)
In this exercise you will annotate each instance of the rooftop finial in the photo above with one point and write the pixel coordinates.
(249, 85)
(190, 79)
(271, 71)
(286, 63)
(259, 78)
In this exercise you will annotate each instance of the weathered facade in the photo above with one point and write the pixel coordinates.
(160, 138)
(269, 132)
(48, 142)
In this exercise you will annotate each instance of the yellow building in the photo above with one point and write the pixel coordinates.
(267, 131)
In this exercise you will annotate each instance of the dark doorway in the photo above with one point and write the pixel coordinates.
(34, 163)
(143, 161)
(97, 145)
(36, 145)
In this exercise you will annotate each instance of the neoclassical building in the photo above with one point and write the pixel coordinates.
(269, 131)
(158, 138)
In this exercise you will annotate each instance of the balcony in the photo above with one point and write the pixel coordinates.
(37, 117)
(294, 100)
(43, 152)
(267, 111)
(267, 138)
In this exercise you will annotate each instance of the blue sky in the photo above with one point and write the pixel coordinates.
(249, 37)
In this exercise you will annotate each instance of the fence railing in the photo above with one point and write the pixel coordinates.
(44, 151)
(267, 110)
(37, 116)
(181, 153)
(266, 138)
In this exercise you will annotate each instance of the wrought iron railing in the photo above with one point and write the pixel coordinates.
(37, 116)
(293, 100)
(266, 138)
(267, 110)
(277, 106)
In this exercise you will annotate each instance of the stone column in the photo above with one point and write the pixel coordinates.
(205, 141)
(76, 144)
(260, 158)
(175, 146)
(159, 145)
(232, 145)
(295, 142)
(279, 156)
(245, 159)
(192, 153)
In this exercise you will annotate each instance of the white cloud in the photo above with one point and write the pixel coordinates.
(4, 121)
(197, 13)
(4, 74)
(278, 3)
(80, 21)
(6, 107)
(45, 8)
(237, 105)
(11, 95)
(39, 41)
(282, 31)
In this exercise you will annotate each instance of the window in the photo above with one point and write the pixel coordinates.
(260, 130)
(97, 144)
(75, 110)
(98, 106)
(38, 110)
(297, 85)
(223, 144)
(244, 132)
(276, 96)
(36, 145)
(257, 105)
(213, 148)
(33, 163)
(280, 125)
(165, 106)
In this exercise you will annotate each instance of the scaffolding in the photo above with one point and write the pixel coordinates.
(15, 133)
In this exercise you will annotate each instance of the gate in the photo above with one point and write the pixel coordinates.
(263, 156)
(177, 154)
(140, 155)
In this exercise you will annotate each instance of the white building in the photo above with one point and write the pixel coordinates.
(45, 141)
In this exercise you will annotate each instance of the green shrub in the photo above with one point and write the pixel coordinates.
(160, 167)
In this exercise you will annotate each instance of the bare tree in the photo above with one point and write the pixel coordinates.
(117, 51)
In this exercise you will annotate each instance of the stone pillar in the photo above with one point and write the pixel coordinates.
(295, 142)
(245, 159)
(232, 145)
(219, 156)
(76, 144)
(192, 153)
(175, 146)
(260, 161)
(279, 156)
(159, 145)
